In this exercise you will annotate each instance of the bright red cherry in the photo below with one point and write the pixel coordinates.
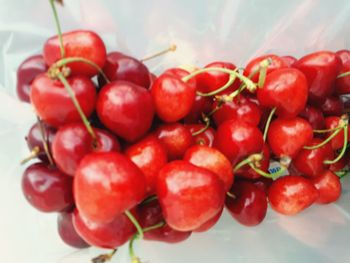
(106, 184)
(289, 60)
(46, 188)
(287, 90)
(342, 85)
(79, 43)
(72, 142)
(210, 223)
(329, 187)
(203, 138)
(249, 204)
(292, 194)
(53, 104)
(110, 235)
(126, 109)
(338, 141)
(26, 72)
(150, 156)
(67, 231)
(314, 116)
(333, 105)
(189, 195)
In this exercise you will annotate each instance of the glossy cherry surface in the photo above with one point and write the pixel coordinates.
(333, 105)
(289, 60)
(203, 138)
(314, 116)
(210, 223)
(329, 187)
(342, 85)
(338, 141)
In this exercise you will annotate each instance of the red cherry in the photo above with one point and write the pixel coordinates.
(46, 188)
(150, 214)
(289, 60)
(53, 104)
(212, 160)
(333, 106)
(344, 56)
(126, 109)
(292, 194)
(314, 116)
(72, 142)
(150, 156)
(189, 195)
(201, 105)
(172, 97)
(286, 137)
(176, 139)
(107, 184)
(311, 162)
(237, 139)
(287, 90)
(338, 141)
(204, 138)
(249, 206)
(119, 66)
(321, 69)
(342, 85)
(263, 183)
(328, 186)
(79, 43)
(340, 165)
(210, 223)
(67, 231)
(26, 72)
(110, 235)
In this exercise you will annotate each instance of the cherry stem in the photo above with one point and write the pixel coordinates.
(327, 130)
(207, 125)
(58, 27)
(329, 138)
(267, 125)
(104, 257)
(345, 74)
(263, 71)
(77, 105)
(257, 157)
(44, 138)
(136, 224)
(33, 154)
(213, 93)
(342, 152)
(231, 195)
(342, 173)
(149, 199)
(172, 48)
(268, 175)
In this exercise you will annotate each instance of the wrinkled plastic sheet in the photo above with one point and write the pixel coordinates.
(204, 31)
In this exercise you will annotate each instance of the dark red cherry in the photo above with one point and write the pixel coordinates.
(340, 165)
(210, 223)
(202, 105)
(263, 183)
(329, 187)
(126, 109)
(314, 116)
(203, 138)
(333, 105)
(342, 85)
(338, 141)
(79, 43)
(46, 188)
(106, 184)
(26, 72)
(53, 104)
(67, 231)
(289, 60)
(119, 66)
(249, 204)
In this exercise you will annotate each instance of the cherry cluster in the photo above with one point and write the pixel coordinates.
(131, 155)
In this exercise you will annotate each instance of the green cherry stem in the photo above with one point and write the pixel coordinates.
(267, 125)
(252, 158)
(58, 27)
(44, 139)
(33, 154)
(136, 224)
(172, 48)
(207, 125)
(229, 194)
(217, 91)
(104, 257)
(263, 71)
(329, 138)
(327, 130)
(345, 74)
(149, 199)
(342, 152)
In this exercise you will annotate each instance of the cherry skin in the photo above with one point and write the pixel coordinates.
(176, 139)
(329, 187)
(202, 105)
(237, 139)
(321, 69)
(332, 106)
(287, 90)
(119, 66)
(110, 235)
(286, 137)
(203, 138)
(79, 43)
(292, 194)
(289, 60)
(72, 142)
(314, 116)
(340, 165)
(189, 195)
(338, 141)
(263, 183)
(150, 156)
(26, 73)
(342, 85)
(210, 223)
(212, 160)
(131, 103)
(249, 206)
(46, 188)
(53, 104)
(106, 184)
(150, 214)
(67, 231)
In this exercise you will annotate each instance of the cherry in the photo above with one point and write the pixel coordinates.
(110, 235)
(314, 116)
(210, 223)
(248, 205)
(333, 106)
(237, 139)
(263, 183)
(150, 156)
(340, 165)
(342, 85)
(106, 184)
(150, 214)
(338, 141)
(286, 137)
(176, 139)
(72, 142)
(321, 69)
(202, 105)
(328, 186)
(67, 231)
(287, 90)
(119, 66)
(289, 60)
(172, 97)
(53, 104)
(292, 194)
(46, 188)
(311, 162)
(80, 43)
(203, 138)
(189, 195)
(131, 103)
(212, 160)
(26, 72)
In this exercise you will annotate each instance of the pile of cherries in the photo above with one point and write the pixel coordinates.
(131, 155)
